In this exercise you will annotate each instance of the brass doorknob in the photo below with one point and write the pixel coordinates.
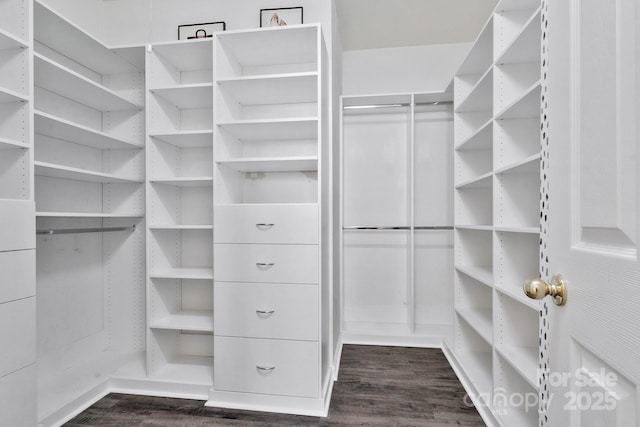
(538, 289)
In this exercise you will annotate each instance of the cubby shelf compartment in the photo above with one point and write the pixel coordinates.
(473, 254)
(8, 95)
(475, 357)
(190, 96)
(187, 139)
(8, 144)
(274, 164)
(483, 275)
(530, 164)
(272, 89)
(180, 62)
(480, 57)
(517, 195)
(525, 106)
(52, 170)
(183, 273)
(479, 140)
(11, 41)
(511, 383)
(479, 97)
(272, 129)
(479, 320)
(516, 260)
(186, 369)
(482, 181)
(63, 81)
(516, 140)
(186, 320)
(57, 127)
(62, 36)
(524, 360)
(520, 41)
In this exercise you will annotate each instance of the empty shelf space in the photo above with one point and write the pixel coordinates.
(183, 273)
(187, 370)
(10, 41)
(87, 215)
(480, 56)
(205, 181)
(529, 165)
(198, 95)
(523, 45)
(273, 164)
(482, 181)
(186, 55)
(480, 320)
(203, 227)
(66, 130)
(56, 78)
(480, 97)
(186, 320)
(7, 144)
(274, 129)
(481, 274)
(479, 140)
(272, 89)
(66, 172)
(8, 95)
(517, 294)
(524, 360)
(525, 106)
(187, 139)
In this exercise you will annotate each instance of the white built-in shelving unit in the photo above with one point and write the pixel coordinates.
(17, 220)
(88, 120)
(270, 235)
(180, 215)
(396, 218)
(497, 214)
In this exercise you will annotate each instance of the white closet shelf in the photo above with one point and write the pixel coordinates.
(482, 181)
(525, 46)
(272, 89)
(57, 127)
(521, 230)
(196, 181)
(183, 273)
(530, 164)
(187, 370)
(198, 95)
(88, 215)
(480, 97)
(480, 321)
(483, 275)
(11, 41)
(272, 129)
(256, 47)
(479, 58)
(65, 82)
(62, 36)
(481, 139)
(53, 170)
(273, 164)
(525, 106)
(186, 139)
(8, 95)
(203, 227)
(523, 360)
(187, 55)
(7, 144)
(186, 320)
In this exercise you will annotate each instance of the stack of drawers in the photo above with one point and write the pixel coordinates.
(266, 299)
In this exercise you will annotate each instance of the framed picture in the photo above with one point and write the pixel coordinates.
(280, 17)
(200, 31)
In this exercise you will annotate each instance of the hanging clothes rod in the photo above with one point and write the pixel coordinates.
(85, 230)
(401, 227)
(406, 104)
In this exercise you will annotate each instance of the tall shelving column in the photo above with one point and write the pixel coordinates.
(89, 175)
(497, 162)
(17, 218)
(269, 223)
(180, 216)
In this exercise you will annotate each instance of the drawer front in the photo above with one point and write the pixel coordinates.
(18, 278)
(18, 334)
(17, 225)
(278, 367)
(266, 310)
(266, 263)
(18, 398)
(266, 224)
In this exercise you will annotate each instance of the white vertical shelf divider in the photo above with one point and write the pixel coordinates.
(497, 162)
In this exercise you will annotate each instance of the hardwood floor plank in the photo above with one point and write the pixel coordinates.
(377, 386)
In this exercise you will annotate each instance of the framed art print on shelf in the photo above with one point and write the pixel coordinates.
(281, 16)
(200, 31)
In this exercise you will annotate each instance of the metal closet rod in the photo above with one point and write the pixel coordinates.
(400, 227)
(406, 104)
(85, 230)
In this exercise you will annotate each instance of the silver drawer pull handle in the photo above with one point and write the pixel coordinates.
(264, 226)
(265, 264)
(265, 312)
(265, 368)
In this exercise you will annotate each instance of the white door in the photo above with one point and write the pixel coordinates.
(593, 212)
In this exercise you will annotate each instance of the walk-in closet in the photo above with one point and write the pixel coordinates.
(347, 212)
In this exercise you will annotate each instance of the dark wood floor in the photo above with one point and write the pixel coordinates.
(377, 386)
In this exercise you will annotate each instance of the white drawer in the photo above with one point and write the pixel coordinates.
(279, 367)
(17, 225)
(18, 398)
(18, 279)
(17, 334)
(266, 224)
(266, 310)
(266, 263)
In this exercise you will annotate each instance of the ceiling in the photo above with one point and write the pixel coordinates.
(372, 24)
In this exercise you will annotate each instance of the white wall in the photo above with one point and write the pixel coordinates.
(397, 70)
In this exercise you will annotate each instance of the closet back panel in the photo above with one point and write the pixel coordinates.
(433, 269)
